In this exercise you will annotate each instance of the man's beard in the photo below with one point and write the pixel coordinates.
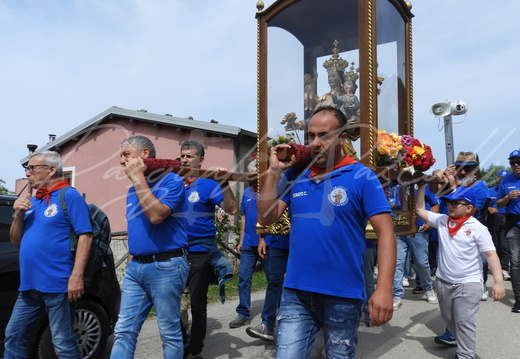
(464, 181)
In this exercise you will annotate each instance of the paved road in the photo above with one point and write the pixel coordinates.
(408, 335)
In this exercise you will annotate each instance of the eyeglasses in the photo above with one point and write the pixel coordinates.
(456, 204)
(31, 168)
(512, 163)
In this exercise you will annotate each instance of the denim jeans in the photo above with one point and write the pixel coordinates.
(301, 316)
(198, 282)
(277, 265)
(419, 249)
(160, 284)
(513, 238)
(28, 308)
(248, 258)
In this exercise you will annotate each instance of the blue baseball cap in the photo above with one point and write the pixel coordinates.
(515, 153)
(502, 173)
(464, 193)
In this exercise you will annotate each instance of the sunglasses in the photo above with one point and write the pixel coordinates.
(512, 163)
(467, 168)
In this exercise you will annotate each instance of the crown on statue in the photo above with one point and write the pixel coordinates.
(351, 75)
(335, 63)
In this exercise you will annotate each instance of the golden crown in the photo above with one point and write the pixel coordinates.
(335, 63)
(351, 75)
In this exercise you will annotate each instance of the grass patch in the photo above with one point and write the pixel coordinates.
(259, 282)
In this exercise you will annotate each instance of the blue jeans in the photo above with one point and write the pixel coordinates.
(301, 316)
(418, 246)
(277, 265)
(28, 308)
(160, 284)
(248, 258)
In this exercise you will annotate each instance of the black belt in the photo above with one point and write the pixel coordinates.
(160, 256)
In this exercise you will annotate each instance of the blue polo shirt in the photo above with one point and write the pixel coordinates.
(493, 196)
(145, 238)
(46, 260)
(249, 211)
(328, 222)
(202, 196)
(277, 241)
(508, 184)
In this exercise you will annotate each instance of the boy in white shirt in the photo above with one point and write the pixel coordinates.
(459, 270)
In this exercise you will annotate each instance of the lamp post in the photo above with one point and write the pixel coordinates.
(446, 110)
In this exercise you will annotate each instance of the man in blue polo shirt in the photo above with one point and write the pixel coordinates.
(509, 197)
(329, 205)
(51, 276)
(157, 273)
(202, 195)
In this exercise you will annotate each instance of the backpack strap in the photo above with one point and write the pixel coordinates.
(65, 209)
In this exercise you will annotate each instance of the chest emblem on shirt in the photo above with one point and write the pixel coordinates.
(338, 196)
(467, 232)
(194, 197)
(51, 211)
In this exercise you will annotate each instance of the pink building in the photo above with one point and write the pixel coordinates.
(90, 152)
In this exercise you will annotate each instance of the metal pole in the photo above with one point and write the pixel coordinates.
(448, 137)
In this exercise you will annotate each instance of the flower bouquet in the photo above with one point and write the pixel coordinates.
(403, 153)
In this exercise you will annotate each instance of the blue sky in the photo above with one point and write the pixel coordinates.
(63, 62)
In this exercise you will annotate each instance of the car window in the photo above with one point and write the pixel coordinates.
(6, 218)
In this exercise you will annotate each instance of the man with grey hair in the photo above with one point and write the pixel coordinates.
(50, 280)
(202, 195)
(157, 272)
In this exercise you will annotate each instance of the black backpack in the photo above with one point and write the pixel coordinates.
(100, 232)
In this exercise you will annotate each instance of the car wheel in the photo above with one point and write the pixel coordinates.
(91, 328)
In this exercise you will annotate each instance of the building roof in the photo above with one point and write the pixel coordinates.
(142, 115)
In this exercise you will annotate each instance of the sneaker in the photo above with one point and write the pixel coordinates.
(398, 302)
(446, 339)
(261, 332)
(406, 282)
(506, 275)
(431, 297)
(485, 295)
(417, 290)
(239, 322)
(516, 307)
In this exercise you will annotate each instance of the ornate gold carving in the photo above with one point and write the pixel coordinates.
(281, 227)
(400, 220)
(260, 5)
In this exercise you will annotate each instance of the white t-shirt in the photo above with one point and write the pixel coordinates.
(459, 256)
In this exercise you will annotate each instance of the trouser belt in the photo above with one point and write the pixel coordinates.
(160, 256)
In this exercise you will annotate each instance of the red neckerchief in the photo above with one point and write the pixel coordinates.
(46, 194)
(188, 181)
(253, 187)
(454, 224)
(347, 160)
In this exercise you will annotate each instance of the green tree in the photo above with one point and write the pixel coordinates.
(4, 191)
(490, 174)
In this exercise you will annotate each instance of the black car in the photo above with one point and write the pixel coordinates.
(96, 312)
